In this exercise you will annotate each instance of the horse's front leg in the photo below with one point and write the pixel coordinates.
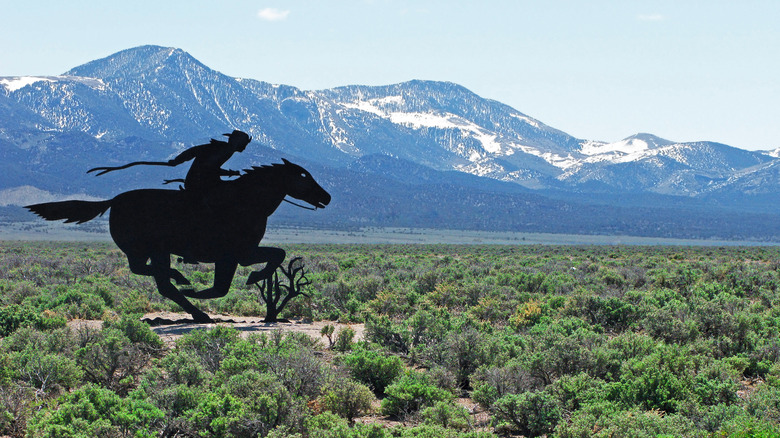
(223, 275)
(160, 269)
(272, 257)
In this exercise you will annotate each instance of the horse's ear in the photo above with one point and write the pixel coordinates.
(285, 161)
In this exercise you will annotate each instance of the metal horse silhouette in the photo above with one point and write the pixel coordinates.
(221, 223)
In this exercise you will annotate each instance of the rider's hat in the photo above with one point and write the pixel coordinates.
(241, 136)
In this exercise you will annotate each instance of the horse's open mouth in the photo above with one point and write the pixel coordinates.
(324, 199)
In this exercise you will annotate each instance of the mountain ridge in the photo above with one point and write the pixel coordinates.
(150, 102)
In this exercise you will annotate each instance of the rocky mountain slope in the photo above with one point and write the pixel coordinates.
(149, 102)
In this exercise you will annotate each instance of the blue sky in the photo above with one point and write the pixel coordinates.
(600, 70)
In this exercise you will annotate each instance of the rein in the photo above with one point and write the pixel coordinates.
(298, 205)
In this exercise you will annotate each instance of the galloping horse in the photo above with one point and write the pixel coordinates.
(222, 225)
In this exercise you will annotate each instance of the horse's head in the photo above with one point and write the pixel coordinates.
(301, 185)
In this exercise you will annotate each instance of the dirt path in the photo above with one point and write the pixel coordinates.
(171, 326)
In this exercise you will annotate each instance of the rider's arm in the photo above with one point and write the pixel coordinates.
(187, 155)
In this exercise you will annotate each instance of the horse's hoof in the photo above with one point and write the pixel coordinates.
(202, 319)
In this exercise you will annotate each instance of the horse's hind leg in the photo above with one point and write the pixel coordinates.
(272, 257)
(160, 268)
(139, 266)
(223, 276)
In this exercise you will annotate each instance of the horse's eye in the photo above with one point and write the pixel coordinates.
(303, 175)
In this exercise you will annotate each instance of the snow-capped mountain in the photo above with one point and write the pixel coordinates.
(150, 102)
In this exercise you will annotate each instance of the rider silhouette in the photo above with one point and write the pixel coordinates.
(206, 169)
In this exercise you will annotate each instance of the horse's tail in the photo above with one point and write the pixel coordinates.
(71, 211)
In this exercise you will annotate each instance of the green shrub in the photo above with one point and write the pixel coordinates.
(660, 380)
(492, 383)
(461, 352)
(182, 367)
(447, 415)
(344, 340)
(411, 392)
(612, 313)
(716, 384)
(605, 420)
(176, 401)
(209, 345)
(386, 333)
(329, 425)
(246, 405)
(573, 392)
(110, 359)
(436, 431)
(346, 398)
(45, 371)
(40, 360)
(745, 426)
(647, 424)
(77, 304)
(17, 404)
(92, 411)
(237, 357)
(327, 331)
(15, 316)
(611, 356)
(372, 367)
(485, 394)
(711, 418)
(765, 403)
(530, 413)
(559, 348)
(136, 331)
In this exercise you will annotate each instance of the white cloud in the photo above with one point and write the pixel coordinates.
(650, 17)
(272, 14)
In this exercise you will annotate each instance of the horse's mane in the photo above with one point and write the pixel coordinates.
(260, 172)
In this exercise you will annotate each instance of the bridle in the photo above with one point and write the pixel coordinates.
(298, 205)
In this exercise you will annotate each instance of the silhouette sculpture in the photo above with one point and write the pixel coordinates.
(206, 168)
(222, 225)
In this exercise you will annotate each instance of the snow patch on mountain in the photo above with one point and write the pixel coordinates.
(366, 106)
(16, 83)
(627, 146)
(560, 161)
(94, 83)
(382, 107)
(424, 120)
(481, 167)
(528, 120)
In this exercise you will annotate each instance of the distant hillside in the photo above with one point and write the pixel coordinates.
(419, 153)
